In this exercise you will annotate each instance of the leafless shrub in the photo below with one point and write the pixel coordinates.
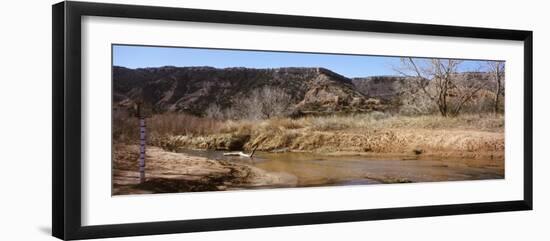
(260, 104)
(482, 102)
(182, 124)
(215, 112)
(286, 123)
(124, 127)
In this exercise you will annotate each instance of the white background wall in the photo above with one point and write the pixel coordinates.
(25, 119)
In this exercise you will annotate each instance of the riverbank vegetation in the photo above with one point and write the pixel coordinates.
(472, 136)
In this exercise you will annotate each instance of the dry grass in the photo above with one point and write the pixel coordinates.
(376, 132)
(184, 124)
(378, 120)
(125, 127)
(369, 121)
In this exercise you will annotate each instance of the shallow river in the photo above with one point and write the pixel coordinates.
(322, 170)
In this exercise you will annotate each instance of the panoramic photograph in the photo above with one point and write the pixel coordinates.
(202, 119)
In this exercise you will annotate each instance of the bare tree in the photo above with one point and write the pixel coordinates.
(267, 102)
(439, 81)
(497, 73)
(214, 111)
(274, 102)
(264, 103)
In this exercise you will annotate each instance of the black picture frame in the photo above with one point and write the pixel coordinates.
(66, 141)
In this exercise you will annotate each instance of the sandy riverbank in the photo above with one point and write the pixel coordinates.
(168, 172)
(471, 144)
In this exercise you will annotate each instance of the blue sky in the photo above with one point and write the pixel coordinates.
(347, 65)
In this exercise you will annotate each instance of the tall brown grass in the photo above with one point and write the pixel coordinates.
(183, 124)
(379, 120)
(367, 132)
(125, 126)
(369, 121)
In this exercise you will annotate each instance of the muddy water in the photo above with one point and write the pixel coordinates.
(323, 170)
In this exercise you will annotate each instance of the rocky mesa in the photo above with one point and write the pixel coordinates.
(194, 89)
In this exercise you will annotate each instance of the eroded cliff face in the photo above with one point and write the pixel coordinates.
(194, 89)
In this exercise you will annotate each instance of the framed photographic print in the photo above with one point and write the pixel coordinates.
(169, 120)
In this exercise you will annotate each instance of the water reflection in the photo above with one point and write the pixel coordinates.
(322, 170)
